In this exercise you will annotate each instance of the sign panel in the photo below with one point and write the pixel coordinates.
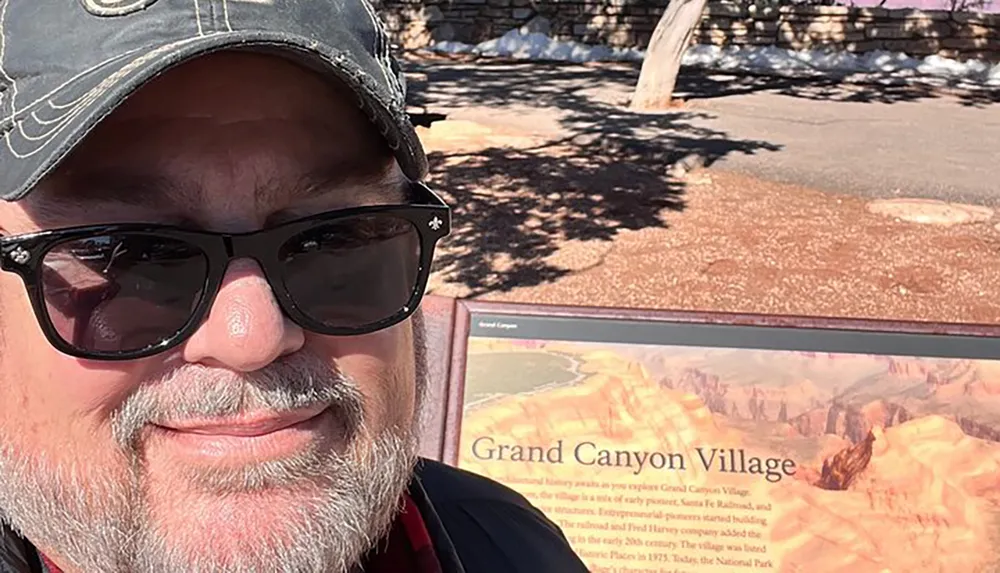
(687, 444)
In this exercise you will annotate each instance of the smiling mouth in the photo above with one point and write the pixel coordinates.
(248, 438)
(248, 425)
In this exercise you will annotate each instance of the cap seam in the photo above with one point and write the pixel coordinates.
(381, 112)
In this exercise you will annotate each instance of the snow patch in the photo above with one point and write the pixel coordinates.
(526, 45)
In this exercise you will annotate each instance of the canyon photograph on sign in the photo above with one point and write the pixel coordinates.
(659, 457)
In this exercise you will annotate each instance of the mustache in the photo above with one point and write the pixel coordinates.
(294, 382)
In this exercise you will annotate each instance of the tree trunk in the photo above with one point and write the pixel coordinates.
(670, 40)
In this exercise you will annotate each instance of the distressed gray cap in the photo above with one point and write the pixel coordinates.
(67, 64)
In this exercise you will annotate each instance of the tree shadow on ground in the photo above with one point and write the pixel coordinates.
(600, 169)
(704, 84)
(696, 83)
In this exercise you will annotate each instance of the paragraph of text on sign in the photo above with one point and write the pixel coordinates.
(642, 528)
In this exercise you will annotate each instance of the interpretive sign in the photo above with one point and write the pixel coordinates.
(715, 443)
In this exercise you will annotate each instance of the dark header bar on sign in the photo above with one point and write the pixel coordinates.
(665, 332)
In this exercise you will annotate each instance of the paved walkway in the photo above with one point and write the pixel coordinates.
(934, 147)
(877, 141)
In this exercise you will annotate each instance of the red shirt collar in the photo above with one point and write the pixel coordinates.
(409, 549)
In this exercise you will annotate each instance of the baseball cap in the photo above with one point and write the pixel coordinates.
(66, 64)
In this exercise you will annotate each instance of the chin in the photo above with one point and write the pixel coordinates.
(240, 521)
(264, 530)
(266, 510)
(242, 531)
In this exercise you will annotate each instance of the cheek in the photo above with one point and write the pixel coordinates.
(48, 398)
(382, 364)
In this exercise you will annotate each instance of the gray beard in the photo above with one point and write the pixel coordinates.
(112, 531)
(342, 503)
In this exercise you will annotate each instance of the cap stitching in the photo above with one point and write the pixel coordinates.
(15, 111)
(390, 122)
(367, 87)
(380, 49)
(96, 8)
(80, 103)
(225, 15)
(3, 55)
(391, 136)
(197, 15)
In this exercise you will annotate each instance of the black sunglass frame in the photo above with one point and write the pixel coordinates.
(24, 255)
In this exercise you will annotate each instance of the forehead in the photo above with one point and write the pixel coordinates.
(230, 132)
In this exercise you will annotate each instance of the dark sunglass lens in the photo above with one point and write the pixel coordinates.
(121, 292)
(353, 272)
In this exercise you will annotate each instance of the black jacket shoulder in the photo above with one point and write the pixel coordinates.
(492, 527)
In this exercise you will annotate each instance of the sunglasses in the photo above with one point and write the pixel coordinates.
(122, 292)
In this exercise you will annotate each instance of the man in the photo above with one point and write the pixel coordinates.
(215, 241)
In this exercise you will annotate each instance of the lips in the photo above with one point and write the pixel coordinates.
(248, 425)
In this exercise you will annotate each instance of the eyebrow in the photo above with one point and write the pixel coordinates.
(376, 181)
(117, 186)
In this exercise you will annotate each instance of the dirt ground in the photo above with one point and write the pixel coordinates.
(580, 216)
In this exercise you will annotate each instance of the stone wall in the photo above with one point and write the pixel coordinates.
(630, 23)
(962, 35)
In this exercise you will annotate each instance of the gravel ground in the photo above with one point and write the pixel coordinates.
(710, 240)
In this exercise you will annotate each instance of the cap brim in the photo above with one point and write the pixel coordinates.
(46, 131)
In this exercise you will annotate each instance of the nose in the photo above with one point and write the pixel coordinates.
(245, 330)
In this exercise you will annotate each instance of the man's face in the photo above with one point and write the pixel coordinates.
(177, 462)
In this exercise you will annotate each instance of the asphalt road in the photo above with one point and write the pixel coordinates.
(867, 140)
(934, 147)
